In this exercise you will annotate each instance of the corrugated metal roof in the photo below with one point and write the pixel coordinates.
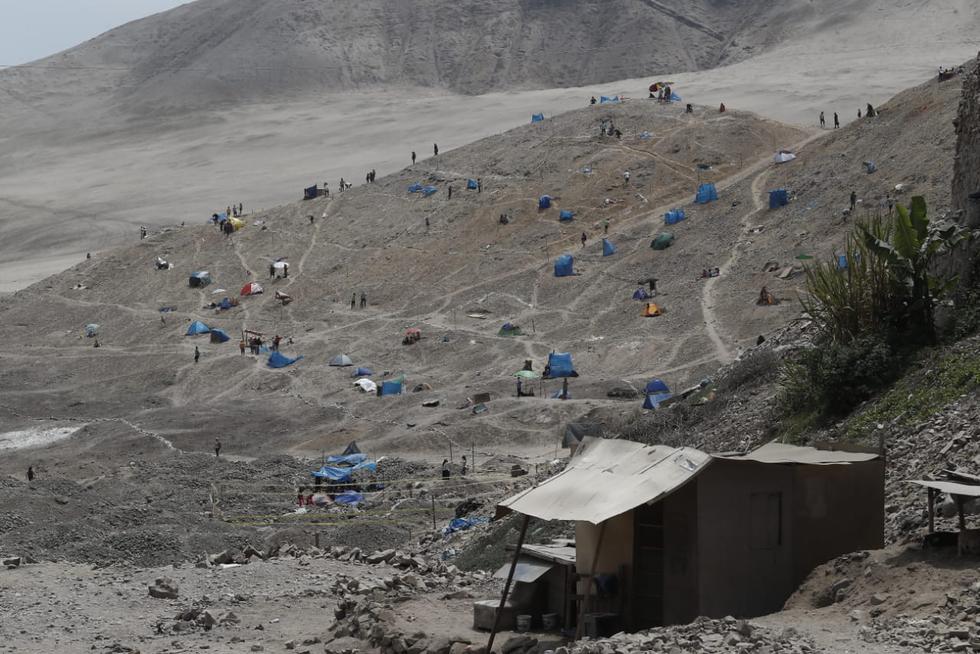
(528, 570)
(608, 477)
(951, 487)
(564, 554)
(783, 453)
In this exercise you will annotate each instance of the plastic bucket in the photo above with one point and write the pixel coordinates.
(549, 621)
(523, 623)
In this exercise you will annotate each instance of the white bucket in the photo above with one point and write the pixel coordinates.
(523, 623)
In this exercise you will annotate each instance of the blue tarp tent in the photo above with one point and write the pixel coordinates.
(656, 386)
(673, 217)
(653, 400)
(706, 193)
(342, 474)
(537, 118)
(310, 192)
(564, 266)
(544, 202)
(347, 459)
(349, 497)
(429, 190)
(197, 327)
(225, 304)
(391, 388)
(279, 360)
(608, 248)
(841, 262)
(641, 294)
(778, 198)
(362, 372)
(559, 365)
(219, 336)
(605, 99)
(566, 214)
(472, 184)
(415, 188)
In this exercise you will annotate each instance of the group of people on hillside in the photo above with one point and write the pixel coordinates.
(447, 468)
(353, 300)
(235, 211)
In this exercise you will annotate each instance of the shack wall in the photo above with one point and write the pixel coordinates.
(681, 602)
(615, 557)
(745, 538)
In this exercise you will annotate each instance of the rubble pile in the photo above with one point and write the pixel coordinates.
(703, 636)
(952, 628)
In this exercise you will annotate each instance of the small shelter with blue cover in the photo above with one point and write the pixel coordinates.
(706, 193)
(841, 262)
(415, 188)
(391, 387)
(544, 202)
(537, 118)
(219, 336)
(362, 372)
(778, 198)
(564, 266)
(674, 216)
(641, 294)
(663, 241)
(472, 184)
(559, 365)
(656, 391)
(565, 215)
(428, 190)
(197, 328)
(608, 99)
(341, 360)
(279, 360)
(199, 279)
(608, 249)
(310, 192)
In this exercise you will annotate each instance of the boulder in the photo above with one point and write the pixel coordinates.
(164, 588)
(12, 562)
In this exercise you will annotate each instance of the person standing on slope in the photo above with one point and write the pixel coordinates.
(823, 121)
(836, 121)
(197, 354)
(413, 157)
(584, 239)
(435, 150)
(217, 448)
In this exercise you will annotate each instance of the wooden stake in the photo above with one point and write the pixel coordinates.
(433, 512)
(931, 493)
(510, 578)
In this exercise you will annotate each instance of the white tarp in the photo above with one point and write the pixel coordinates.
(608, 477)
(783, 156)
(367, 385)
(949, 487)
(782, 453)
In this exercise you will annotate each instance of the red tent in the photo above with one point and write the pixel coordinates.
(252, 288)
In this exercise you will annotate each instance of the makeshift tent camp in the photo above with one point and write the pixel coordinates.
(674, 216)
(608, 249)
(219, 336)
(564, 266)
(783, 156)
(279, 360)
(537, 118)
(565, 215)
(606, 99)
(361, 372)
(559, 365)
(391, 388)
(641, 294)
(252, 288)
(652, 310)
(663, 241)
(342, 474)
(472, 184)
(510, 329)
(778, 198)
(415, 188)
(91, 330)
(197, 328)
(310, 192)
(544, 202)
(341, 360)
(706, 193)
(366, 385)
(429, 190)
(199, 279)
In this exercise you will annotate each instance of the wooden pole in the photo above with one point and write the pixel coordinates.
(932, 509)
(587, 600)
(510, 578)
(959, 511)
(433, 513)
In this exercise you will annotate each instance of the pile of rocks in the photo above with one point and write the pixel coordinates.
(703, 636)
(952, 628)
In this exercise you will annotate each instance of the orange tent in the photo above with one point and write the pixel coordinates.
(652, 310)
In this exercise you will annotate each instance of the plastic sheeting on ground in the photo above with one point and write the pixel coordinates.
(343, 474)
(608, 249)
(462, 524)
(366, 385)
(348, 459)
(674, 216)
(279, 360)
(349, 498)
(778, 198)
(566, 214)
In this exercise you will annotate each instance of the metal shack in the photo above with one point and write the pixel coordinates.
(664, 535)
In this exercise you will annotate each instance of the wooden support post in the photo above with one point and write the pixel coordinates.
(510, 578)
(959, 511)
(931, 493)
(590, 579)
(433, 513)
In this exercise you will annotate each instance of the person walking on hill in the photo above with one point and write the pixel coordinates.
(584, 239)
(426, 223)
(823, 121)
(463, 470)
(353, 301)
(836, 121)
(241, 346)
(413, 157)
(450, 191)
(605, 226)
(854, 200)
(363, 300)
(30, 473)
(479, 185)
(435, 149)
(217, 448)
(343, 184)
(197, 354)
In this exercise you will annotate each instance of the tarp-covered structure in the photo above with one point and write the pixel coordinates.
(279, 360)
(544, 202)
(197, 328)
(366, 385)
(199, 279)
(510, 329)
(537, 118)
(559, 365)
(219, 335)
(783, 156)
(674, 216)
(310, 192)
(564, 266)
(341, 360)
(609, 99)
(655, 392)
(565, 215)
(641, 294)
(472, 184)
(391, 387)
(663, 241)
(706, 193)
(91, 330)
(362, 372)
(778, 198)
(251, 288)
(608, 249)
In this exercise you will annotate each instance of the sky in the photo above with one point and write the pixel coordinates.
(31, 29)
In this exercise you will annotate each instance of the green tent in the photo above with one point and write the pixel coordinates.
(527, 374)
(663, 241)
(510, 330)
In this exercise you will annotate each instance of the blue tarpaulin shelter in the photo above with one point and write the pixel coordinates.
(544, 202)
(778, 198)
(653, 400)
(606, 99)
(279, 360)
(641, 294)
(225, 304)
(537, 118)
(347, 459)
(608, 248)
(197, 328)
(391, 388)
(559, 365)
(472, 184)
(429, 190)
(343, 474)
(841, 262)
(656, 386)
(349, 497)
(415, 188)
(706, 193)
(362, 372)
(674, 216)
(674, 97)
(310, 192)
(219, 336)
(461, 524)
(564, 266)
(566, 214)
